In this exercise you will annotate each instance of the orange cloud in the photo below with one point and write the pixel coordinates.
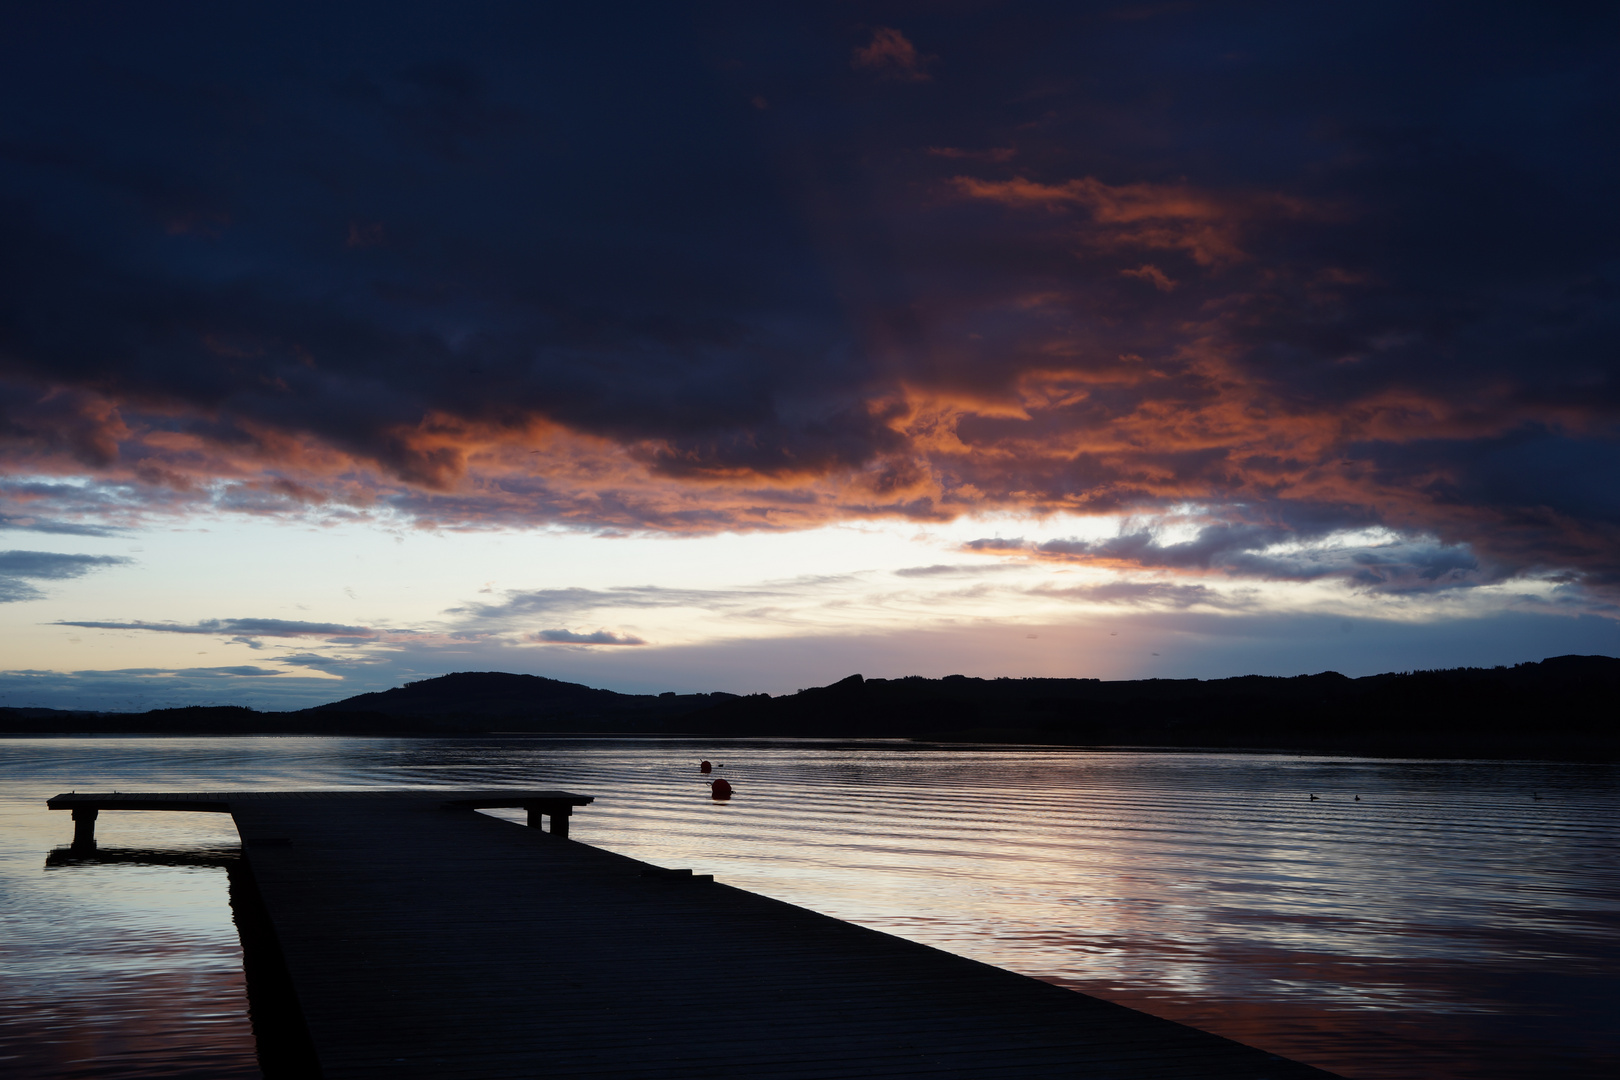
(1106, 437)
(1203, 224)
(1058, 439)
(890, 53)
(1153, 276)
(1047, 384)
(817, 315)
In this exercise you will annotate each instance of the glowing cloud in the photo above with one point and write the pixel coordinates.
(1010, 290)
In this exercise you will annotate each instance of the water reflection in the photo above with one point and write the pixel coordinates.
(281, 1041)
(79, 856)
(1436, 919)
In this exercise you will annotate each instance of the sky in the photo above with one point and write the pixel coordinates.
(744, 347)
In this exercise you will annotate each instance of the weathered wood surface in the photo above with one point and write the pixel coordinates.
(435, 943)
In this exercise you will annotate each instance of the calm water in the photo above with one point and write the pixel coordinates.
(1450, 924)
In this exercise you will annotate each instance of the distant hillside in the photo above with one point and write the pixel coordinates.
(525, 702)
(467, 702)
(1562, 707)
(1565, 704)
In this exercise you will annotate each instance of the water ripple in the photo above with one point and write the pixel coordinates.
(1457, 921)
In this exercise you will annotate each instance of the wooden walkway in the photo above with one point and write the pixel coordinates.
(426, 941)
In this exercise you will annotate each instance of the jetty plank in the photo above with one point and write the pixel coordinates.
(427, 940)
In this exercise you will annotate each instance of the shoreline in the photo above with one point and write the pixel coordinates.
(1594, 755)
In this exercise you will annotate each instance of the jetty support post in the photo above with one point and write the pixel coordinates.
(537, 805)
(558, 812)
(84, 828)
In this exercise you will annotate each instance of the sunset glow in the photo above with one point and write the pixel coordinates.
(744, 349)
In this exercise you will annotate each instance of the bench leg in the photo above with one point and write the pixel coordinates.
(84, 829)
(557, 814)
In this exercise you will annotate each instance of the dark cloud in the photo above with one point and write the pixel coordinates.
(517, 610)
(240, 628)
(319, 662)
(504, 265)
(950, 570)
(15, 566)
(892, 55)
(597, 637)
(529, 602)
(139, 689)
(12, 591)
(237, 670)
(1142, 593)
(996, 544)
(52, 565)
(25, 523)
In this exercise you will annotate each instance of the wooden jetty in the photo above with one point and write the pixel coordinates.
(426, 941)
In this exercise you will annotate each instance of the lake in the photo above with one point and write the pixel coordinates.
(1433, 919)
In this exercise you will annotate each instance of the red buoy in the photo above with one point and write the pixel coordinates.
(704, 766)
(720, 790)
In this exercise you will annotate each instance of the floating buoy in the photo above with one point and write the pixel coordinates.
(719, 789)
(704, 766)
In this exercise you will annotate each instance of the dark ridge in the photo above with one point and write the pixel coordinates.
(1560, 707)
(487, 693)
(497, 700)
(466, 702)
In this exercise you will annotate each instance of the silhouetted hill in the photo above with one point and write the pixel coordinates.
(483, 693)
(1563, 707)
(467, 702)
(478, 699)
(1563, 704)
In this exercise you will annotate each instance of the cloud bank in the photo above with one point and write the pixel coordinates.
(1309, 272)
